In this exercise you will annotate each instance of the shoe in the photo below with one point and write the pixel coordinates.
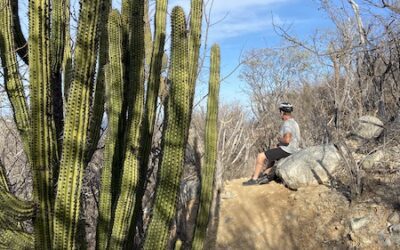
(250, 182)
(261, 176)
(264, 179)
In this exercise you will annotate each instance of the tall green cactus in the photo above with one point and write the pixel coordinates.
(98, 102)
(43, 133)
(58, 32)
(114, 96)
(196, 15)
(130, 173)
(13, 82)
(153, 83)
(174, 136)
(75, 128)
(211, 149)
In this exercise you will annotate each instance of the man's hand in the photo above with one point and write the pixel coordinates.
(286, 139)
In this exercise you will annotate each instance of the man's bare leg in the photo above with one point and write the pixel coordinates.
(261, 158)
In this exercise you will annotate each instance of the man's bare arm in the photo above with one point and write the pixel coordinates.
(286, 139)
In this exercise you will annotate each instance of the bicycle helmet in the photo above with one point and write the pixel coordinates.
(286, 107)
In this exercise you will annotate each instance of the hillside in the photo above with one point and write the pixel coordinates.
(274, 217)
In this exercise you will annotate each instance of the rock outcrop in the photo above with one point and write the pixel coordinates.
(311, 166)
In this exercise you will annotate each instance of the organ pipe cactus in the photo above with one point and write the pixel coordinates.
(211, 149)
(153, 83)
(130, 173)
(60, 128)
(43, 146)
(196, 15)
(76, 125)
(174, 136)
(13, 82)
(114, 96)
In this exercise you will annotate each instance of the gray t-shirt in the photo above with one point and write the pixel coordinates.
(291, 126)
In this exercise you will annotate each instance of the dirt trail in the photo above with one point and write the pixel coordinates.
(274, 217)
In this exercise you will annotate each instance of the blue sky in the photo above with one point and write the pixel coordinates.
(242, 25)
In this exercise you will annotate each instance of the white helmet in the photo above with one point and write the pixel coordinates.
(286, 107)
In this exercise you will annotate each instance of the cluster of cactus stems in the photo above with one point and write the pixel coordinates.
(69, 93)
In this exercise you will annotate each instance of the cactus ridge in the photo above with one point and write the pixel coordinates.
(75, 130)
(211, 142)
(174, 136)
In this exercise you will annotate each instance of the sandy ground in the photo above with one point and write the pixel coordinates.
(273, 217)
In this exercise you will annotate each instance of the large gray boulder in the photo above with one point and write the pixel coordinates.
(311, 166)
(368, 127)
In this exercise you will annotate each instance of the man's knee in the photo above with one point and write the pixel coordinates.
(261, 157)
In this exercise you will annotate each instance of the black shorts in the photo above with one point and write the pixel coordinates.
(275, 154)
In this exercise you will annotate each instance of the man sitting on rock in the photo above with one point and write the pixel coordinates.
(288, 144)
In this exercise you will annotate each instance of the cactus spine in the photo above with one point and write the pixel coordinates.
(211, 143)
(75, 128)
(174, 137)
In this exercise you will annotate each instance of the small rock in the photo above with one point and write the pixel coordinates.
(358, 223)
(368, 127)
(387, 242)
(394, 229)
(370, 160)
(393, 218)
(395, 239)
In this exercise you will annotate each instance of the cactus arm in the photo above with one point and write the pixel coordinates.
(114, 96)
(174, 137)
(21, 44)
(153, 83)
(10, 205)
(16, 208)
(129, 179)
(211, 142)
(148, 39)
(75, 128)
(43, 144)
(59, 21)
(13, 83)
(4, 183)
(98, 101)
(196, 15)
(16, 239)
